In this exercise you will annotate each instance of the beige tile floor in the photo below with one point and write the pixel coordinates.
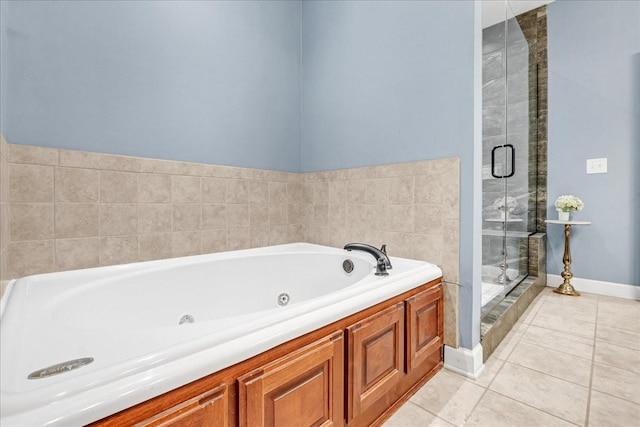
(568, 361)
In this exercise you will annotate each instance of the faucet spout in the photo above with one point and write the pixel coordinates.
(382, 260)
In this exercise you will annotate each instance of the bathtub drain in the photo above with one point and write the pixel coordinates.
(283, 299)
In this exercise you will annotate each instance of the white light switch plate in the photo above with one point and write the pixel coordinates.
(597, 165)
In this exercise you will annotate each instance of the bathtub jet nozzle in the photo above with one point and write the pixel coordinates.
(187, 318)
(283, 299)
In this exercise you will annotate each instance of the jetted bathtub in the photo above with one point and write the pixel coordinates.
(151, 327)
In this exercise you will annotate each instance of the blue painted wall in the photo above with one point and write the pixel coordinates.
(387, 82)
(196, 81)
(594, 111)
(3, 62)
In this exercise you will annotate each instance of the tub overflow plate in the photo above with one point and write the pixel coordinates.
(347, 266)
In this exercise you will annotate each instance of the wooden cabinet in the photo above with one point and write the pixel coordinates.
(375, 358)
(209, 409)
(355, 371)
(424, 326)
(304, 388)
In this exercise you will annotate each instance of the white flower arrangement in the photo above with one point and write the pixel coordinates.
(568, 203)
(508, 204)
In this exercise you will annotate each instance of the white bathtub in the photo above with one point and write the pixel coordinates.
(127, 319)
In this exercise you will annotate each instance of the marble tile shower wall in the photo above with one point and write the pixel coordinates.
(71, 209)
(534, 28)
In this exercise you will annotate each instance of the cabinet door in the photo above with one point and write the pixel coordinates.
(209, 409)
(424, 326)
(375, 359)
(304, 388)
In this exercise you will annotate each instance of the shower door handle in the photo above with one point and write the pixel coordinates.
(513, 161)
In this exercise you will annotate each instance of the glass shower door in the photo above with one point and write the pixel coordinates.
(508, 199)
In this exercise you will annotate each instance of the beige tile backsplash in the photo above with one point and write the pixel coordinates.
(30, 183)
(66, 209)
(156, 188)
(76, 185)
(118, 187)
(5, 226)
(411, 207)
(31, 221)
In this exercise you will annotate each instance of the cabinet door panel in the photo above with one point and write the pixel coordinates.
(209, 409)
(296, 403)
(376, 358)
(304, 388)
(424, 326)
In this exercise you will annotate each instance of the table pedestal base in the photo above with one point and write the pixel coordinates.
(566, 289)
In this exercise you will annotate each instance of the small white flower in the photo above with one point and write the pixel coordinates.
(508, 203)
(568, 203)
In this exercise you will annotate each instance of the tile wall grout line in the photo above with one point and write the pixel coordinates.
(100, 217)
(54, 203)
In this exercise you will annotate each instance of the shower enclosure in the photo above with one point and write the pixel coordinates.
(508, 147)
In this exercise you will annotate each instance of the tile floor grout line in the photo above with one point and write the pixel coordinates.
(477, 402)
(562, 331)
(494, 377)
(555, 315)
(486, 389)
(547, 374)
(429, 412)
(526, 326)
(533, 407)
(566, 333)
(593, 364)
(617, 344)
(625, 330)
(617, 367)
(617, 397)
(491, 381)
(554, 349)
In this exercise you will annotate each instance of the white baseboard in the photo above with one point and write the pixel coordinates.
(611, 289)
(464, 361)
